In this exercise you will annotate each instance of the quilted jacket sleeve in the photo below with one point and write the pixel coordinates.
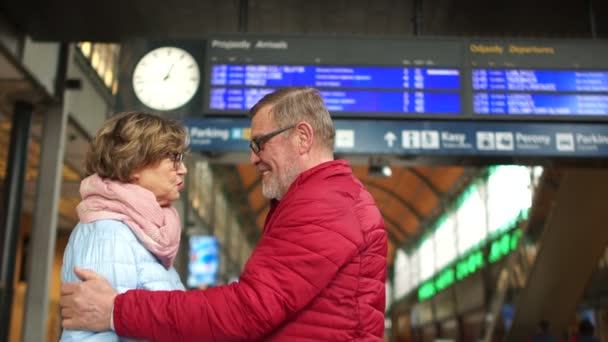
(100, 247)
(295, 259)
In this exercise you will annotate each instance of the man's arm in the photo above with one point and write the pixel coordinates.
(292, 263)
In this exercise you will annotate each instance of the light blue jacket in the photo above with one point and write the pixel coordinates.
(110, 248)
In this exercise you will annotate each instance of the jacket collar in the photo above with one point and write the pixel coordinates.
(321, 170)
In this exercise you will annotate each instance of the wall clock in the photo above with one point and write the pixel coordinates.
(166, 78)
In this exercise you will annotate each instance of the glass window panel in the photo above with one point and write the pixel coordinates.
(115, 86)
(245, 253)
(220, 217)
(95, 56)
(471, 220)
(537, 172)
(402, 273)
(85, 48)
(102, 50)
(509, 192)
(414, 265)
(445, 242)
(108, 78)
(234, 240)
(427, 259)
(204, 190)
(104, 59)
(389, 295)
(199, 183)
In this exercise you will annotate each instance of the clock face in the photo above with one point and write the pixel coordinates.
(166, 78)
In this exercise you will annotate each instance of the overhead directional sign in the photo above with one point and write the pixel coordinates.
(219, 135)
(429, 137)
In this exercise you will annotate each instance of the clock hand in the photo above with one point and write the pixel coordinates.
(168, 72)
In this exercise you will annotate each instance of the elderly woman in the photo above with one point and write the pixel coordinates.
(128, 230)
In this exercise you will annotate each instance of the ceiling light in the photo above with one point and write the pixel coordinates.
(379, 170)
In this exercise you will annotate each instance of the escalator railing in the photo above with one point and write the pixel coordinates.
(572, 240)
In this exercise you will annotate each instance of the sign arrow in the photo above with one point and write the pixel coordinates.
(390, 138)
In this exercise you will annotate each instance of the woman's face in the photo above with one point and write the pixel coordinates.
(165, 179)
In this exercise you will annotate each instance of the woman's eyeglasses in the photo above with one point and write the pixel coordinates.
(177, 159)
(257, 144)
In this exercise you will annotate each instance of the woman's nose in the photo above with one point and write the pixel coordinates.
(182, 170)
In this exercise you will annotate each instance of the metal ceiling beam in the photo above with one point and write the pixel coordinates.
(398, 198)
(592, 19)
(424, 179)
(445, 200)
(243, 16)
(397, 240)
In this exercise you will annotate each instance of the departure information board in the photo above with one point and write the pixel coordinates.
(540, 80)
(543, 104)
(553, 80)
(414, 78)
(536, 92)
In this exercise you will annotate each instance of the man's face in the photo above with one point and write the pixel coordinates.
(278, 159)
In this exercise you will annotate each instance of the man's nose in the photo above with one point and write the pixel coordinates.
(253, 158)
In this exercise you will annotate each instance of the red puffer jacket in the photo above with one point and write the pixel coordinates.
(317, 274)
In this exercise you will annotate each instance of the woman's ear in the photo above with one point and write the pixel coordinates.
(305, 136)
(134, 178)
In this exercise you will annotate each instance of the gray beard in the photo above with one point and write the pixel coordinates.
(275, 188)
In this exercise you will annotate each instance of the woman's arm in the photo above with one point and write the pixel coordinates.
(101, 247)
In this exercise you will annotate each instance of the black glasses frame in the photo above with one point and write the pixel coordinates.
(177, 159)
(257, 144)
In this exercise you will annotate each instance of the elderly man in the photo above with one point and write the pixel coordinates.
(317, 273)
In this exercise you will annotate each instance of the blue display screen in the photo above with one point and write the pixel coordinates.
(334, 76)
(351, 101)
(540, 80)
(540, 104)
(203, 267)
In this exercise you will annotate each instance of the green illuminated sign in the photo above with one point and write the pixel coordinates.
(426, 290)
(445, 279)
(470, 264)
(503, 246)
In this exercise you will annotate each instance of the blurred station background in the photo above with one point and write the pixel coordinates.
(480, 128)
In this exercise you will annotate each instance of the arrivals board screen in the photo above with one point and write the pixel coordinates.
(414, 78)
(334, 76)
(241, 99)
(354, 76)
(345, 89)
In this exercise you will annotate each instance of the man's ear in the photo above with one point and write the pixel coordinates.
(305, 135)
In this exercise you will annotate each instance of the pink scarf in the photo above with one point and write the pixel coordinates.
(157, 228)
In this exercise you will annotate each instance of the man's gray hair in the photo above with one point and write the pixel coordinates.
(291, 105)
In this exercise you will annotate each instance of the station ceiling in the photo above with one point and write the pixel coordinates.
(117, 20)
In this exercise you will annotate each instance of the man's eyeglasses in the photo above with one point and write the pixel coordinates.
(177, 159)
(257, 144)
